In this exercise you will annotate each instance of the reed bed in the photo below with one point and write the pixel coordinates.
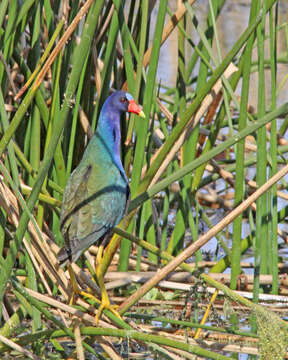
(203, 152)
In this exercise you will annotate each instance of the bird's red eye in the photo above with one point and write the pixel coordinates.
(123, 100)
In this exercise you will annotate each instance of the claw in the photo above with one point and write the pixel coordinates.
(105, 302)
(76, 290)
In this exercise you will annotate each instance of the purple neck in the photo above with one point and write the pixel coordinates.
(108, 130)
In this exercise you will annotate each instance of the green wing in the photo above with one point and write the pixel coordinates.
(94, 202)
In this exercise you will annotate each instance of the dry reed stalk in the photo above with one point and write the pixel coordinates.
(39, 249)
(78, 340)
(64, 307)
(188, 278)
(190, 250)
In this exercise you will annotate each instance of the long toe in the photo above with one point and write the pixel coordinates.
(107, 305)
(89, 296)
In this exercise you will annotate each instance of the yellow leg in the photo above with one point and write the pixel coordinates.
(105, 302)
(205, 316)
(76, 290)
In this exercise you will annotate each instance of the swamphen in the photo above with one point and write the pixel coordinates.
(97, 193)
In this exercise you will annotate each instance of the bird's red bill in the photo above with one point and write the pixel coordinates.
(134, 108)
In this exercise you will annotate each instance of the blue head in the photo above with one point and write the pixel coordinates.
(116, 104)
(108, 127)
(120, 102)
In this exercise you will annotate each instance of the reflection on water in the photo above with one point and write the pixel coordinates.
(232, 21)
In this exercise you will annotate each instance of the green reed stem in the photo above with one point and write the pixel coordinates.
(240, 153)
(261, 235)
(273, 18)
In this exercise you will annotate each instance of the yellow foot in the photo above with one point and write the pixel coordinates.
(72, 300)
(89, 296)
(76, 291)
(105, 304)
